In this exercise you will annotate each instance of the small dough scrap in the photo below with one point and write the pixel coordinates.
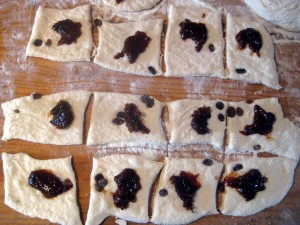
(284, 140)
(111, 42)
(102, 204)
(32, 121)
(20, 196)
(181, 58)
(169, 209)
(280, 173)
(180, 119)
(103, 131)
(259, 70)
(42, 29)
(131, 5)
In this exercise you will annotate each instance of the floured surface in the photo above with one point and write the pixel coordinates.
(25, 199)
(20, 76)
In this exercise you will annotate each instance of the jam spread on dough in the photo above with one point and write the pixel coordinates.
(62, 115)
(262, 124)
(248, 184)
(128, 182)
(250, 37)
(134, 46)
(48, 183)
(196, 31)
(199, 121)
(186, 186)
(68, 30)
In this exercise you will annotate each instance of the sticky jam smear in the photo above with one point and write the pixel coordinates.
(195, 31)
(248, 184)
(262, 124)
(134, 46)
(68, 30)
(128, 182)
(48, 183)
(250, 37)
(199, 121)
(186, 186)
(62, 115)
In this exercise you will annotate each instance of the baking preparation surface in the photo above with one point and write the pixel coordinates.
(20, 76)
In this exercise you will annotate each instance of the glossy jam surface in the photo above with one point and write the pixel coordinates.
(134, 46)
(200, 118)
(100, 182)
(186, 186)
(250, 37)
(195, 31)
(248, 184)
(262, 123)
(62, 115)
(69, 31)
(128, 182)
(48, 183)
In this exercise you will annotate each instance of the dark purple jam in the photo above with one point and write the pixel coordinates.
(248, 184)
(48, 183)
(250, 37)
(186, 186)
(101, 182)
(62, 115)
(128, 182)
(68, 30)
(262, 124)
(199, 121)
(134, 46)
(195, 31)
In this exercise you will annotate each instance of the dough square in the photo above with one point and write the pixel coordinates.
(180, 119)
(169, 209)
(279, 172)
(283, 140)
(103, 131)
(32, 122)
(181, 58)
(131, 5)
(20, 196)
(111, 42)
(42, 29)
(102, 204)
(261, 70)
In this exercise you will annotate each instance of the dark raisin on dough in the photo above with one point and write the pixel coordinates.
(239, 111)
(36, 95)
(118, 121)
(208, 162)
(220, 105)
(200, 117)
(230, 112)
(121, 114)
(221, 117)
(256, 147)
(240, 71)
(16, 111)
(249, 101)
(163, 192)
(62, 115)
(101, 182)
(152, 70)
(97, 22)
(148, 101)
(38, 42)
(237, 167)
(211, 47)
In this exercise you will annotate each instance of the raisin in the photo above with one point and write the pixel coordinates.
(208, 162)
(211, 47)
(249, 101)
(237, 167)
(220, 105)
(62, 115)
(239, 111)
(98, 22)
(230, 112)
(69, 31)
(199, 121)
(256, 147)
(118, 121)
(148, 101)
(36, 95)
(16, 111)
(163, 192)
(101, 182)
(121, 114)
(38, 42)
(152, 70)
(241, 71)
(221, 117)
(48, 43)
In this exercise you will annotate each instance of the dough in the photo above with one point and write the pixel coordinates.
(261, 70)
(181, 58)
(180, 119)
(169, 209)
(284, 140)
(131, 5)
(287, 12)
(104, 131)
(32, 123)
(20, 196)
(111, 42)
(279, 171)
(42, 29)
(101, 203)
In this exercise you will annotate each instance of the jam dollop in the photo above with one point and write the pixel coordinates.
(195, 31)
(262, 124)
(199, 121)
(248, 184)
(134, 46)
(48, 183)
(250, 37)
(69, 31)
(101, 182)
(62, 115)
(128, 182)
(186, 186)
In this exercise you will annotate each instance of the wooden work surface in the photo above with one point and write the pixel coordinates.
(21, 76)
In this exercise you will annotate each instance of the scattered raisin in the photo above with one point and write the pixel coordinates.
(249, 101)
(101, 182)
(239, 111)
(36, 95)
(220, 105)
(221, 117)
(203, 15)
(38, 42)
(199, 121)
(163, 192)
(211, 48)
(208, 162)
(230, 112)
(16, 111)
(256, 147)
(118, 121)
(237, 167)
(62, 115)
(48, 43)
(148, 101)
(121, 114)
(240, 71)
(152, 70)
(97, 22)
